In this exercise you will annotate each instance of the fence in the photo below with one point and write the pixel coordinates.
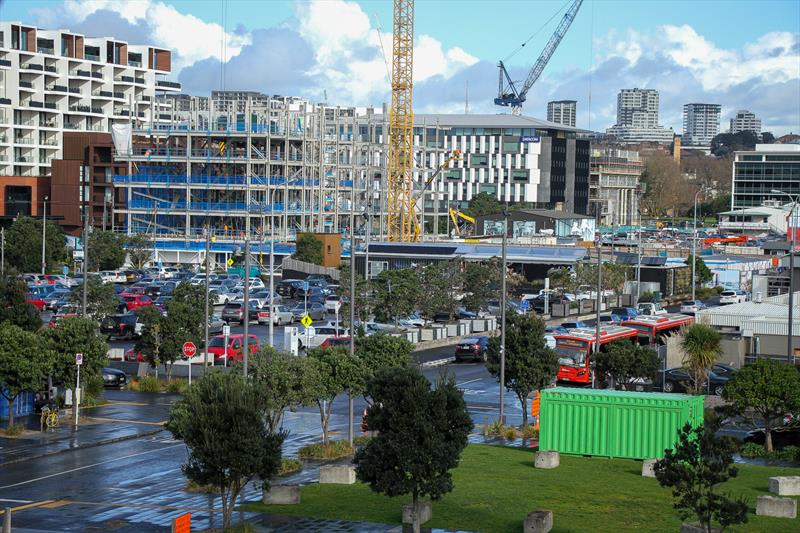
(751, 358)
(290, 264)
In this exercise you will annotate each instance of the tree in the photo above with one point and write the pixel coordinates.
(614, 275)
(150, 342)
(767, 137)
(220, 418)
(563, 279)
(765, 390)
(106, 251)
(140, 250)
(420, 436)
(101, 300)
(76, 335)
(700, 462)
(13, 307)
(442, 282)
(702, 271)
(382, 351)
(309, 248)
(483, 203)
(286, 382)
(482, 282)
(725, 144)
(624, 360)
(396, 293)
(714, 207)
(701, 344)
(530, 364)
(337, 373)
(25, 362)
(667, 192)
(24, 245)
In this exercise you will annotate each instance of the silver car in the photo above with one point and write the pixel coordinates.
(281, 314)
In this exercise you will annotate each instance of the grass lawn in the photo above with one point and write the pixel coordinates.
(496, 487)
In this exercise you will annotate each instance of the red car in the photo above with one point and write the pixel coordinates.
(35, 300)
(226, 355)
(335, 341)
(132, 356)
(135, 301)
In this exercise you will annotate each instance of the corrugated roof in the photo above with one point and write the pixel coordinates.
(735, 314)
(514, 254)
(769, 326)
(500, 120)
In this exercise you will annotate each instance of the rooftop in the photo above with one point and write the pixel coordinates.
(501, 120)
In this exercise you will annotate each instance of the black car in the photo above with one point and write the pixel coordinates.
(677, 379)
(121, 326)
(288, 287)
(473, 348)
(113, 378)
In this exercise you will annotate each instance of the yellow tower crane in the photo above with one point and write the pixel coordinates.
(401, 216)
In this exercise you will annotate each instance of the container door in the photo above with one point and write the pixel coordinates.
(574, 427)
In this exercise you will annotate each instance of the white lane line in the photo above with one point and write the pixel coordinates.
(9, 500)
(87, 466)
(468, 382)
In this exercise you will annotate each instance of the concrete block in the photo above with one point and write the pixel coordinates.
(426, 334)
(478, 325)
(547, 459)
(439, 332)
(424, 511)
(648, 468)
(538, 522)
(697, 528)
(785, 485)
(337, 474)
(452, 330)
(467, 325)
(281, 495)
(776, 506)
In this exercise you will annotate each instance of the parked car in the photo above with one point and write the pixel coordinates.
(320, 334)
(132, 276)
(332, 302)
(113, 378)
(335, 341)
(650, 309)
(232, 352)
(555, 330)
(287, 287)
(56, 295)
(690, 307)
(217, 298)
(281, 314)
(233, 312)
(625, 313)
(262, 297)
(611, 319)
(315, 310)
(215, 325)
(124, 326)
(35, 300)
(677, 379)
(135, 301)
(574, 324)
(732, 297)
(473, 348)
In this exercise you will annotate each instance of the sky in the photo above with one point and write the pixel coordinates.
(741, 54)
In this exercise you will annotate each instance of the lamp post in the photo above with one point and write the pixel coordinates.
(44, 233)
(793, 231)
(639, 261)
(205, 327)
(350, 431)
(272, 256)
(694, 244)
(503, 318)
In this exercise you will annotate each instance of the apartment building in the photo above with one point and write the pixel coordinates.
(614, 185)
(758, 172)
(637, 118)
(562, 112)
(744, 120)
(700, 123)
(52, 81)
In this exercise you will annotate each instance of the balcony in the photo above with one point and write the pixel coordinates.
(97, 75)
(103, 94)
(57, 88)
(26, 84)
(31, 66)
(72, 126)
(74, 90)
(91, 57)
(49, 105)
(168, 84)
(5, 63)
(21, 122)
(124, 79)
(137, 64)
(50, 68)
(81, 73)
(5, 101)
(49, 124)
(23, 140)
(45, 50)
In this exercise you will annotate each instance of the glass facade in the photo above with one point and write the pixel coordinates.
(755, 176)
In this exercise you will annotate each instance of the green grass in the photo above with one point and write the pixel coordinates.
(495, 488)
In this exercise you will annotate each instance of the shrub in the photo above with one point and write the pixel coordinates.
(528, 432)
(361, 440)
(13, 431)
(510, 433)
(149, 384)
(335, 449)
(752, 450)
(177, 386)
(92, 386)
(647, 296)
(495, 429)
(192, 486)
(290, 466)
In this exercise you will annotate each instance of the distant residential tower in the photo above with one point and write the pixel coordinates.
(637, 118)
(700, 123)
(562, 112)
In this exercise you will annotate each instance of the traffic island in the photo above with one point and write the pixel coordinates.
(424, 512)
(281, 495)
(547, 459)
(776, 506)
(538, 522)
(649, 468)
(337, 474)
(785, 485)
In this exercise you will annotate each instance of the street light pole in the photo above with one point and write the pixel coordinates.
(792, 244)
(639, 261)
(350, 431)
(205, 330)
(44, 233)
(271, 265)
(599, 295)
(85, 262)
(694, 245)
(503, 318)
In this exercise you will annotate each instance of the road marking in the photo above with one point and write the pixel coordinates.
(9, 500)
(468, 382)
(87, 466)
(135, 506)
(102, 419)
(28, 506)
(112, 402)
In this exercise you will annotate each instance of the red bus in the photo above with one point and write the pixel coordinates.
(653, 329)
(575, 347)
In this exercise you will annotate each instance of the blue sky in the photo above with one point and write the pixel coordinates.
(741, 54)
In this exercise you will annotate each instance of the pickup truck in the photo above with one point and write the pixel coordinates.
(651, 309)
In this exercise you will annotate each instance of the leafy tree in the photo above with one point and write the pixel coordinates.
(714, 207)
(286, 382)
(13, 307)
(614, 275)
(765, 390)
(725, 144)
(76, 335)
(396, 293)
(24, 245)
(150, 342)
(701, 345)
(563, 278)
(702, 271)
(483, 203)
(442, 282)
(106, 250)
(25, 362)
(337, 373)
(220, 418)
(623, 361)
(101, 300)
(140, 250)
(482, 282)
(767, 137)
(700, 462)
(530, 364)
(667, 191)
(309, 248)
(420, 436)
(382, 351)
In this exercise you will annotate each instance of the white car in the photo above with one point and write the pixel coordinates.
(690, 307)
(332, 302)
(256, 284)
(281, 314)
(110, 277)
(218, 298)
(320, 335)
(732, 297)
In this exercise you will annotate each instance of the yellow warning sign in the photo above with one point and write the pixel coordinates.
(306, 320)
(230, 262)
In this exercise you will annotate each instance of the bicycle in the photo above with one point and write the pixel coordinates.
(49, 417)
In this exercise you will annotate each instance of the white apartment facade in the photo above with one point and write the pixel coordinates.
(562, 112)
(637, 118)
(53, 81)
(700, 123)
(744, 120)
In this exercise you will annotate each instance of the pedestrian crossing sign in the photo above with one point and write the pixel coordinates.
(306, 320)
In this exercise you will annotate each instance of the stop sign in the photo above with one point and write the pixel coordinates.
(189, 349)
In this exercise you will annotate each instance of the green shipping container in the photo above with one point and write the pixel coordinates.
(635, 425)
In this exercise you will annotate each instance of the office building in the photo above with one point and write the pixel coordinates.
(758, 172)
(562, 112)
(52, 81)
(744, 120)
(614, 185)
(700, 123)
(637, 118)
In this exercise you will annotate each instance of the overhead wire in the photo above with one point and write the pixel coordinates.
(526, 41)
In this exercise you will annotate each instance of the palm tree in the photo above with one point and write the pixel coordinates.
(701, 345)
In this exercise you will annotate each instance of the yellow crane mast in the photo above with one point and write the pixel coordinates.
(401, 216)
